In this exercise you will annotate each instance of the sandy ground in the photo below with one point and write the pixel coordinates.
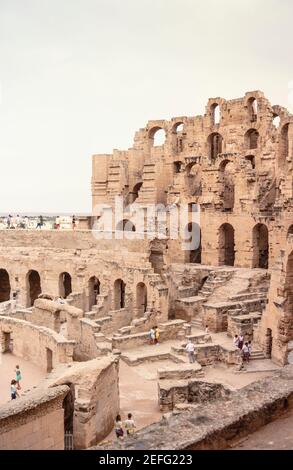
(277, 435)
(31, 374)
(138, 395)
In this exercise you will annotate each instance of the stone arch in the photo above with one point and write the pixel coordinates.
(276, 121)
(5, 288)
(283, 147)
(215, 145)
(252, 109)
(251, 139)
(251, 160)
(193, 180)
(141, 299)
(125, 225)
(119, 294)
(177, 136)
(193, 236)
(227, 182)
(65, 285)
(93, 291)
(215, 113)
(290, 231)
(226, 245)
(260, 244)
(157, 136)
(33, 287)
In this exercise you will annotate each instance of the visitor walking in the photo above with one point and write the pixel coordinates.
(245, 353)
(73, 222)
(207, 330)
(240, 343)
(18, 377)
(190, 351)
(157, 335)
(236, 341)
(13, 390)
(57, 222)
(249, 348)
(152, 336)
(129, 425)
(119, 427)
(40, 222)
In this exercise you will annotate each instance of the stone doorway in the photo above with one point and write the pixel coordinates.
(34, 288)
(226, 245)
(5, 288)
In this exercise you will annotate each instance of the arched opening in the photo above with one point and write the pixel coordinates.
(226, 245)
(251, 159)
(251, 139)
(177, 132)
(260, 241)
(125, 226)
(252, 109)
(215, 145)
(193, 239)
(65, 285)
(276, 121)
(5, 288)
(141, 299)
(33, 287)
(93, 291)
(284, 147)
(227, 177)
(119, 294)
(177, 167)
(157, 137)
(193, 179)
(290, 231)
(156, 259)
(133, 195)
(216, 114)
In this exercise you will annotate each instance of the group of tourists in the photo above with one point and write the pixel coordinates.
(15, 384)
(128, 426)
(154, 335)
(245, 348)
(24, 222)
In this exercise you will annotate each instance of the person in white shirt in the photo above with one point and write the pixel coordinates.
(245, 353)
(190, 351)
(236, 341)
(129, 425)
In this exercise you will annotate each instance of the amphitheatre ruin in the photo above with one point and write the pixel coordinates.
(88, 357)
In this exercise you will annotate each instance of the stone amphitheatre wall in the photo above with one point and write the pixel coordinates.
(50, 254)
(37, 344)
(34, 422)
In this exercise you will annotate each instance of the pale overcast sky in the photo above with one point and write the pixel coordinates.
(81, 76)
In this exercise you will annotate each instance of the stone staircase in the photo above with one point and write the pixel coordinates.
(215, 279)
(257, 354)
(197, 323)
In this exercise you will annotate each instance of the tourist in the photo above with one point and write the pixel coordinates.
(40, 222)
(207, 330)
(18, 377)
(17, 221)
(119, 427)
(8, 221)
(129, 425)
(152, 336)
(157, 335)
(240, 343)
(26, 222)
(73, 222)
(57, 222)
(190, 351)
(249, 348)
(14, 392)
(236, 341)
(245, 352)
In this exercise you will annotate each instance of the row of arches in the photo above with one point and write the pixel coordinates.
(34, 289)
(226, 245)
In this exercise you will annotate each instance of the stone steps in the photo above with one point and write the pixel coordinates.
(197, 323)
(257, 355)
